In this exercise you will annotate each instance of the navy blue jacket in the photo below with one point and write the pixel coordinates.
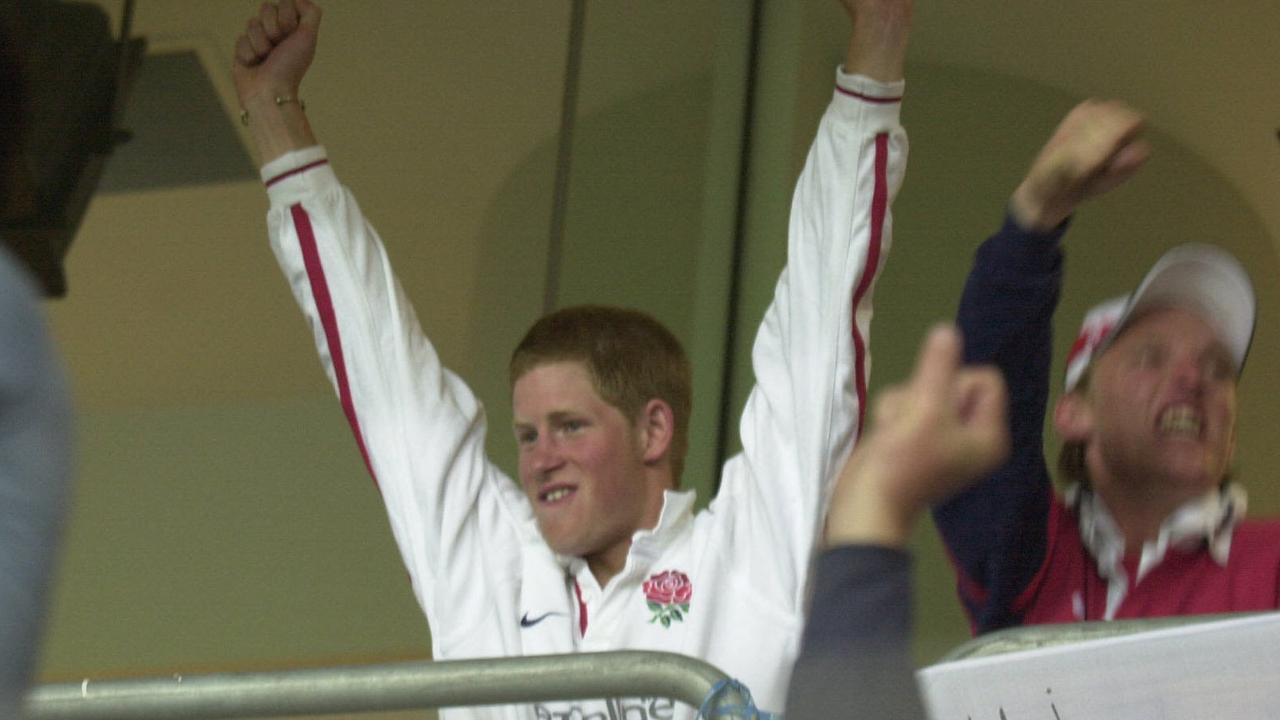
(996, 530)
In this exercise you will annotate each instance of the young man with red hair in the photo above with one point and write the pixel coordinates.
(594, 548)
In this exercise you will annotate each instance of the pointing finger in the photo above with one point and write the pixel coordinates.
(937, 362)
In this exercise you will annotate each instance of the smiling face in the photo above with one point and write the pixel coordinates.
(582, 463)
(1160, 408)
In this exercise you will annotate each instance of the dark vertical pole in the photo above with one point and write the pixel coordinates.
(564, 153)
(126, 56)
(129, 56)
(726, 423)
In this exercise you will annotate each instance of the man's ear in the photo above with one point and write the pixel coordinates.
(656, 429)
(1073, 417)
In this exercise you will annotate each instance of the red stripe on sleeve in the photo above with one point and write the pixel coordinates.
(879, 208)
(324, 307)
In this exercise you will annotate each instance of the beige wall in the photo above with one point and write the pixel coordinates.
(223, 519)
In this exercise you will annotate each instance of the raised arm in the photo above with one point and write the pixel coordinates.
(419, 428)
(996, 531)
(271, 58)
(943, 427)
(810, 355)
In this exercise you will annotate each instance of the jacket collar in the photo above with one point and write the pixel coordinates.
(646, 545)
(1206, 521)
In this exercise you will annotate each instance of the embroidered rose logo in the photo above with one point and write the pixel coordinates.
(668, 595)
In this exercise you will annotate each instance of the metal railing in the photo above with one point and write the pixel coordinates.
(394, 686)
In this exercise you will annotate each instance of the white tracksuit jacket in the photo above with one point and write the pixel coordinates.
(490, 587)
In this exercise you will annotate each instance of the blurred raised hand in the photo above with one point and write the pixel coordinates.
(931, 436)
(1095, 148)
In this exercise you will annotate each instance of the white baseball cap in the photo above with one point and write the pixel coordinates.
(1202, 278)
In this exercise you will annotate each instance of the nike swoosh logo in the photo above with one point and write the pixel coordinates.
(527, 622)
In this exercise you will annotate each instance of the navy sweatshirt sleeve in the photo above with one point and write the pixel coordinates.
(856, 658)
(996, 530)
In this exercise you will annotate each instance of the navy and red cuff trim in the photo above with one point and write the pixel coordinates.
(297, 170)
(868, 98)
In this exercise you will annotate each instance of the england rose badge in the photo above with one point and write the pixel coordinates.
(667, 594)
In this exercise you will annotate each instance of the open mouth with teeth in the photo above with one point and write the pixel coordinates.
(1180, 421)
(555, 494)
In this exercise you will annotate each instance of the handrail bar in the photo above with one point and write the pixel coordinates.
(381, 687)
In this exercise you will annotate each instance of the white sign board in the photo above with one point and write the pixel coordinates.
(1227, 669)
